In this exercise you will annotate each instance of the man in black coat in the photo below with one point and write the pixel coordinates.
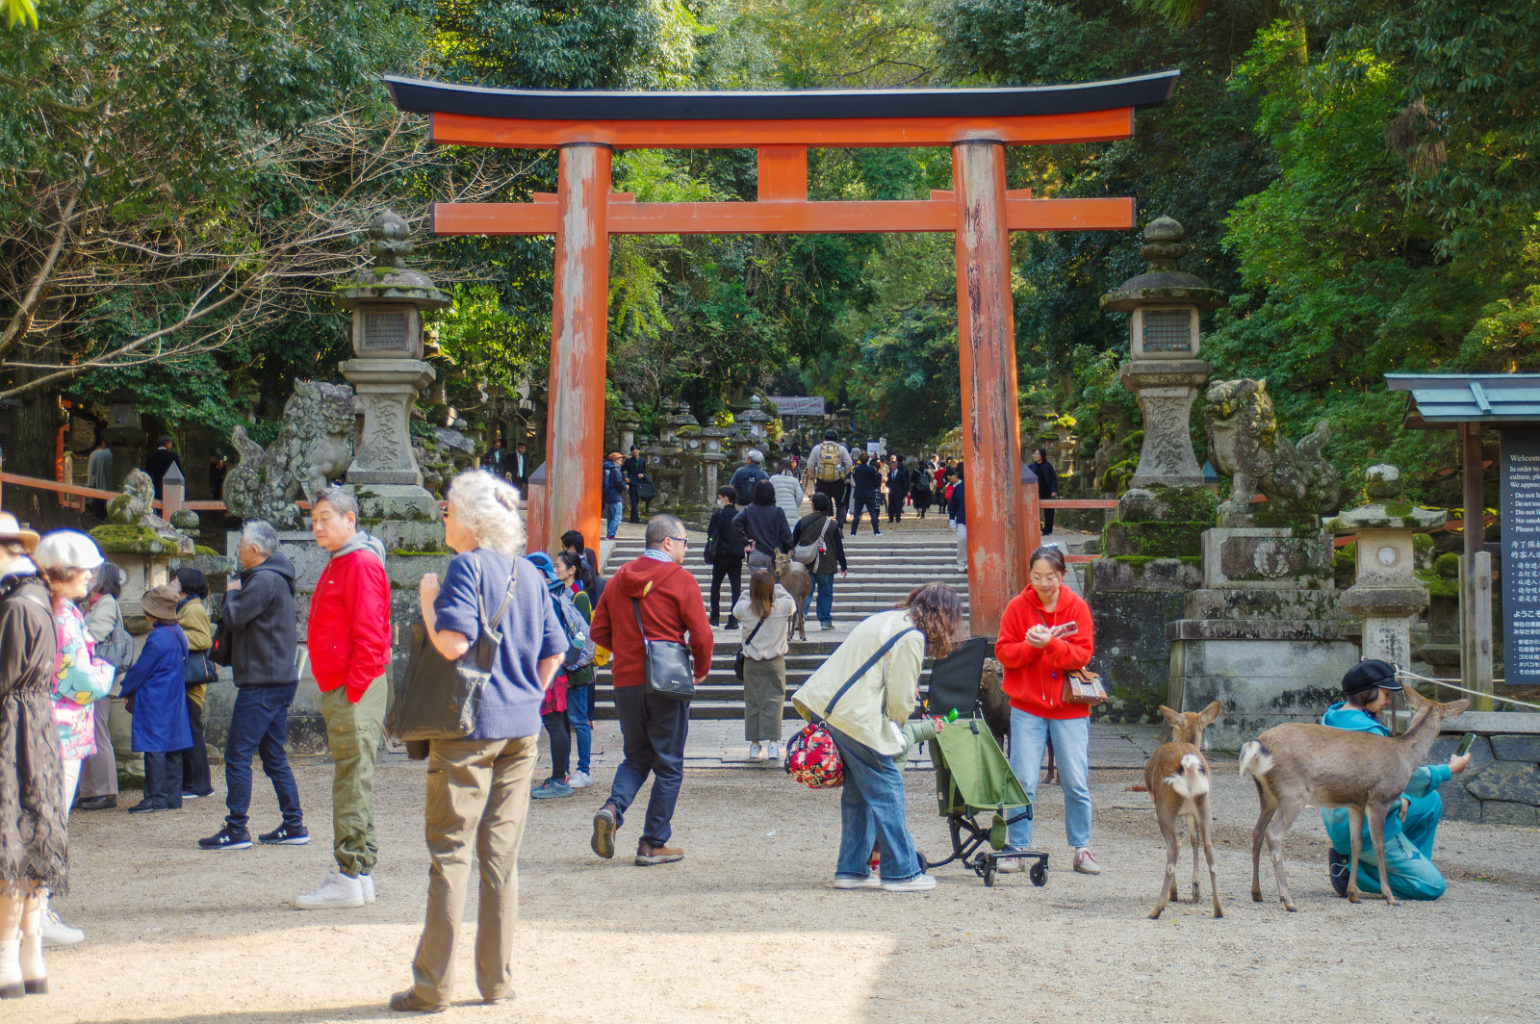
(898, 489)
(724, 550)
(260, 623)
(635, 470)
(1047, 485)
(160, 460)
(867, 484)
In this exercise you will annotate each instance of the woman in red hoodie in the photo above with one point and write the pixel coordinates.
(1045, 633)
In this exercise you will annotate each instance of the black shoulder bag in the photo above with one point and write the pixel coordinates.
(670, 672)
(439, 699)
(738, 661)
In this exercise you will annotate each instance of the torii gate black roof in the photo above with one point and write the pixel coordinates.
(426, 97)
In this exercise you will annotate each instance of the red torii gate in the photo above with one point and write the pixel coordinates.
(976, 123)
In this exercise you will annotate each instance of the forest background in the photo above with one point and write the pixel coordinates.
(180, 193)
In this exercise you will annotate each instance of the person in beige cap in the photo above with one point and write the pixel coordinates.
(156, 694)
(33, 811)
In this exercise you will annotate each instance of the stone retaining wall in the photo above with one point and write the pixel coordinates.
(1502, 784)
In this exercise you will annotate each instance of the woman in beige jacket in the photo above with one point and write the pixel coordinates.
(864, 694)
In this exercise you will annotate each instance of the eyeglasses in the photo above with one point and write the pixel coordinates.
(681, 540)
(1035, 578)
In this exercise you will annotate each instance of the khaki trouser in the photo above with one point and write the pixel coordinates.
(353, 731)
(764, 698)
(477, 790)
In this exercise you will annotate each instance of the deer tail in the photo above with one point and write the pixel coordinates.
(1191, 781)
(1255, 760)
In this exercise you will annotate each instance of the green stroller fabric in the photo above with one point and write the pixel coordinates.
(972, 773)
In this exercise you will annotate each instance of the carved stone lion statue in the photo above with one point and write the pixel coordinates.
(316, 447)
(1244, 444)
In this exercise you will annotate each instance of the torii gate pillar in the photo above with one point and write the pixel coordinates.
(575, 415)
(991, 425)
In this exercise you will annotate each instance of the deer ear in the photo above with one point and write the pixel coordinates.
(1172, 718)
(1458, 707)
(1211, 712)
(1415, 699)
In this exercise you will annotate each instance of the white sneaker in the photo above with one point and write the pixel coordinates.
(366, 882)
(774, 751)
(57, 933)
(336, 892)
(1085, 863)
(757, 752)
(579, 780)
(919, 883)
(852, 882)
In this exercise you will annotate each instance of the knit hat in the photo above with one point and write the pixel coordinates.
(1366, 675)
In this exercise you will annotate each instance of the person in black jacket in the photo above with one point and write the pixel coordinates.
(898, 489)
(635, 470)
(957, 511)
(919, 487)
(1047, 485)
(260, 622)
(724, 550)
(867, 484)
(814, 527)
(763, 528)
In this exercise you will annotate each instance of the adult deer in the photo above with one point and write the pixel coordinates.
(1177, 777)
(1302, 763)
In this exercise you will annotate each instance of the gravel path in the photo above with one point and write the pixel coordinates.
(745, 928)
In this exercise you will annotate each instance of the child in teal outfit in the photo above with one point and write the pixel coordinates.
(1409, 830)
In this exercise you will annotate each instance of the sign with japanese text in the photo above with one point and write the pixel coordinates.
(1520, 504)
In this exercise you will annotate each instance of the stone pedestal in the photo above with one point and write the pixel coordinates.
(1165, 390)
(386, 389)
(1264, 634)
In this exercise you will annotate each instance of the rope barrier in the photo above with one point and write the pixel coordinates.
(1402, 673)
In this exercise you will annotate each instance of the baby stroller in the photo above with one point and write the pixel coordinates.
(973, 778)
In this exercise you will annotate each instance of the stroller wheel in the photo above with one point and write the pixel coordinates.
(989, 873)
(1039, 874)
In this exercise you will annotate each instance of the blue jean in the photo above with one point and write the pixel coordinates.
(1408, 848)
(653, 731)
(823, 590)
(579, 711)
(1072, 753)
(612, 513)
(872, 810)
(259, 724)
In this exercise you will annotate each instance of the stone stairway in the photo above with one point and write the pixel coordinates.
(883, 569)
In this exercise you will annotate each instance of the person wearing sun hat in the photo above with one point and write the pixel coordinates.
(156, 689)
(1409, 828)
(33, 811)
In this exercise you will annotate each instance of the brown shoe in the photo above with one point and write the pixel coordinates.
(407, 1002)
(646, 856)
(603, 841)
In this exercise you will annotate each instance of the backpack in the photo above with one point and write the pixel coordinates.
(581, 653)
(827, 468)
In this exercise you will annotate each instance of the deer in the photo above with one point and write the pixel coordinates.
(1300, 763)
(793, 575)
(1178, 780)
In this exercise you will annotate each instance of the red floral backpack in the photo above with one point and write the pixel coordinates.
(812, 758)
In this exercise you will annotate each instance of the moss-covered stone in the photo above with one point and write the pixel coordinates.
(116, 538)
(1168, 539)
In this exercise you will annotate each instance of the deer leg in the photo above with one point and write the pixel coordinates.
(1377, 836)
(1269, 808)
(1192, 835)
(1167, 880)
(1288, 809)
(1355, 843)
(1206, 818)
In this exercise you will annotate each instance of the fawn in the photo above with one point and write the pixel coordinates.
(1178, 780)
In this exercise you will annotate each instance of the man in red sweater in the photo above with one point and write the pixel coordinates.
(667, 598)
(348, 638)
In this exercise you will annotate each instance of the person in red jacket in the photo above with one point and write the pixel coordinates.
(348, 638)
(1046, 631)
(653, 728)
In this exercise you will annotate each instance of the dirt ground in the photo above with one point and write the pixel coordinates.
(746, 928)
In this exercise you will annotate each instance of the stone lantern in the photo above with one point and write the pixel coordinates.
(626, 423)
(1165, 373)
(755, 417)
(1386, 593)
(387, 301)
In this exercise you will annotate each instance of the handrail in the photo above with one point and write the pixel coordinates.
(40, 484)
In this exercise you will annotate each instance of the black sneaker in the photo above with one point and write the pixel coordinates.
(227, 839)
(286, 835)
(1337, 864)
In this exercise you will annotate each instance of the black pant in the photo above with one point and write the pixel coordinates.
(163, 779)
(732, 571)
(654, 730)
(896, 507)
(835, 489)
(1047, 521)
(865, 505)
(561, 743)
(195, 759)
(921, 501)
(646, 505)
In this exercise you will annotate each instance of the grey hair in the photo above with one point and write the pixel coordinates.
(489, 509)
(660, 528)
(260, 535)
(340, 499)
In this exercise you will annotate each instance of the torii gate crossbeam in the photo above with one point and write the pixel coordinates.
(977, 124)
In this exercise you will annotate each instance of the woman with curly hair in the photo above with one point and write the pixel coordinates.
(864, 694)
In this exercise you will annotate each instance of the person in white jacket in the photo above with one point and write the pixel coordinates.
(788, 492)
(864, 694)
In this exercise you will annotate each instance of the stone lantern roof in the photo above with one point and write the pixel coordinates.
(389, 279)
(1165, 242)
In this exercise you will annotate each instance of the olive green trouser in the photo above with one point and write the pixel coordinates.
(353, 731)
(764, 698)
(478, 799)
